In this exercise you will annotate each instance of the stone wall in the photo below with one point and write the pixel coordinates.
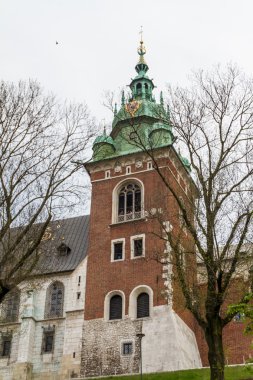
(168, 345)
(27, 361)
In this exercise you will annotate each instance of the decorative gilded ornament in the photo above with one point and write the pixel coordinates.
(132, 107)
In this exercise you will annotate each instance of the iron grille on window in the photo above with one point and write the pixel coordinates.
(127, 348)
(54, 300)
(129, 203)
(115, 307)
(118, 251)
(143, 305)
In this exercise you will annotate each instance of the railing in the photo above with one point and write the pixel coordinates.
(130, 216)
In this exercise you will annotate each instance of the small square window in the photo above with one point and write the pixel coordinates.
(118, 251)
(138, 247)
(127, 348)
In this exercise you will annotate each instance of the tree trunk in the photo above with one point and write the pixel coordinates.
(213, 334)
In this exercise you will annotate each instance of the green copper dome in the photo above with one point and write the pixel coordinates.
(103, 147)
(139, 115)
(104, 139)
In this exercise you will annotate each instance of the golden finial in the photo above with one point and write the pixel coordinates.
(141, 49)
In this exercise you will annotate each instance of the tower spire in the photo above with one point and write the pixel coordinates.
(141, 66)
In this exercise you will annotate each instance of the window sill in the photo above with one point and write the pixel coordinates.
(114, 320)
(137, 257)
(115, 261)
(127, 221)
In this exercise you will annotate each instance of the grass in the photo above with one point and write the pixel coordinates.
(231, 373)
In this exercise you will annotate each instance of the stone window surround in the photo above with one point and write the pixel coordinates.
(115, 198)
(132, 239)
(149, 165)
(107, 174)
(120, 240)
(47, 311)
(122, 342)
(107, 305)
(133, 300)
(132, 312)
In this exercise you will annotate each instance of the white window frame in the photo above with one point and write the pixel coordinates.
(132, 308)
(121, 240)
(149, 165)
(132, 239)
(107, 174)
(128, 170)
(115, 199)
(107, 305)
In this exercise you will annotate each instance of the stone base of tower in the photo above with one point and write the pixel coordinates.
(168, 345)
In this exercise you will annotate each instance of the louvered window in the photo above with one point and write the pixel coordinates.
(143, 305)
(115, 307)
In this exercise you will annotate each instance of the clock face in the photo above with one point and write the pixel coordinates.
(132, 107)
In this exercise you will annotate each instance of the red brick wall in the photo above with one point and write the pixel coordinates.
(103, 275)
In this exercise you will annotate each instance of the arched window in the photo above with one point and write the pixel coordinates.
(11, 306)
(54, 300)
(138, 88)
(143, 305)
(115, 307)
(129, 202)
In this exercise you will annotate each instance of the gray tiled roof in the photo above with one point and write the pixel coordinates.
(73, 232)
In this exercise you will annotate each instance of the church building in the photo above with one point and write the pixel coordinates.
(103, 299)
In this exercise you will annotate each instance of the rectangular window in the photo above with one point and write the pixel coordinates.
(149, 165)
(128, 169)
(127, 348)
(78, 295)
(6, 347)
(107, 174)
(118, 249)
(137, 246)
(49, 340)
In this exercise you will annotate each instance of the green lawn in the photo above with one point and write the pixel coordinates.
(231, 373)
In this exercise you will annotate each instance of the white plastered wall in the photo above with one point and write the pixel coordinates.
(169, 344)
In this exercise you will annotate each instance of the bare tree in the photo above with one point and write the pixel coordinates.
(214, 121)
(40, 144)
(214, 124)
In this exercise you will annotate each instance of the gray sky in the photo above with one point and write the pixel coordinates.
(98, 41)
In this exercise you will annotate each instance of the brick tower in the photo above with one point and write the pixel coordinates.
(129, 289)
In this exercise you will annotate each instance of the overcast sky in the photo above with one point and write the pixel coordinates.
(98, 41)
